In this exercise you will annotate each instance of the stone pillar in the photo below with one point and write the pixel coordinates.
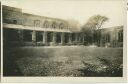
(70, 38)
(79, 37)
(76, 37)
(62, 38)
(54, 37)
(34, 37)
(83, 38)
(20, 36)
(45, 37)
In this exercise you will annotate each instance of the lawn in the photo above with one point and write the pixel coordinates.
(71, 61)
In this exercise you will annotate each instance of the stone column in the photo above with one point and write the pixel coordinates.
(83, 37)
(62, 38)
(70, 38)
(45, 37)
(34, 37)
(76, 37)
(21, 36)
(79, 37)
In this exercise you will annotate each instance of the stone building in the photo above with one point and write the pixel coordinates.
(112, 37)
(21, 28)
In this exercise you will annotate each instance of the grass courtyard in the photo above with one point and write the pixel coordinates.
(69, 61)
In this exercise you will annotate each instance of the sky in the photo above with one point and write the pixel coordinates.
(73, 9)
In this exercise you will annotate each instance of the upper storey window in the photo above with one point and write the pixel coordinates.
(61, 26)
(46, 24)
(54, 25)
(37, 23)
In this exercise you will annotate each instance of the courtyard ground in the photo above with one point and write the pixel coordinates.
(72, 61)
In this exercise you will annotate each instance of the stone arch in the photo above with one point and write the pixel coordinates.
(37, 23)
(61, 26)
(46, 24)
(54, 25)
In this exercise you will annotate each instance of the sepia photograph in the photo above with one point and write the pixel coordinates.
(63, 38)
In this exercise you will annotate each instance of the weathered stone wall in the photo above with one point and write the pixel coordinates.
(13, 15)
(30, 20)
(110, 36)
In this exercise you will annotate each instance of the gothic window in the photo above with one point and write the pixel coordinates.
(54, 25)
(61, 26)
(46, 25)
(37, 23)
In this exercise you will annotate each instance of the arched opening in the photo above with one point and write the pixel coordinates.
(39, 36)
(27, 36)
(50, 37)
(54, 25)
(46, 24)
(37, 23)
(61, 26)
(58, 37)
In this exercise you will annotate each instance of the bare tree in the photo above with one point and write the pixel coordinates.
(96, 21)
(93, 26)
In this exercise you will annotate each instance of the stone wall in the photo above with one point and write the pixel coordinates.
(13, 15)
(112, 36)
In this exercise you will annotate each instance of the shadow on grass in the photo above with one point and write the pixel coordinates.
(39, 62)
(106, 69)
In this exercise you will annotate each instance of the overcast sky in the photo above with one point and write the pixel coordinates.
(73, 9)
